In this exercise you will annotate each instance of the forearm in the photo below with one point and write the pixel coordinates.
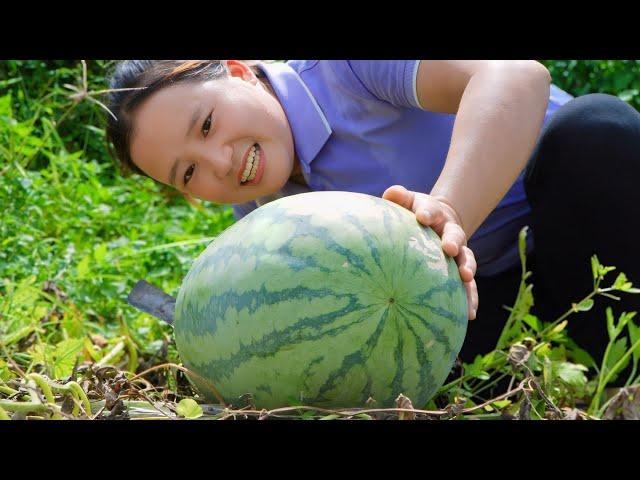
(497, 124)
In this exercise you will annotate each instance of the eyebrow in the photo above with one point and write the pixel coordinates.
(174, 167)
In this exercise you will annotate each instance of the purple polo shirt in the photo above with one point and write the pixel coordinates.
(358, 126)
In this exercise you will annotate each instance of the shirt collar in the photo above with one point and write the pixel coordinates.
(308, 123)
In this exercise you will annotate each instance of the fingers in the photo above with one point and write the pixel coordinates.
(467, 266)
(472, 298)
(427, 209)
(400, 195)
(441, 217)
(453, 239)
(429, 212)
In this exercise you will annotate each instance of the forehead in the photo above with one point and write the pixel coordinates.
(170, 100)
(160, 124)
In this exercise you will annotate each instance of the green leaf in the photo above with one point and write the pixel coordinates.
(5, 105)
(621, 279)
(622, 322)
(366, 416)
(560, 327)
(533, 322)
(522, 243)
(333, 416)
(73, 324)
(41, 354)
(100, 252)
(65, 356)
(617, 351)
(627, 95)
(25, 295)
(308, 415)
(581, 356)
(599, 270)
(17, 335)
(500, 404)
(83, 267)
(188, 408)
(477, 368)
(572, 373)
(547, 372)
(610, 326)
(634, 335)
(595, 266)
(584, 306)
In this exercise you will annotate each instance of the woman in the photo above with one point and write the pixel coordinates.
(476, 149)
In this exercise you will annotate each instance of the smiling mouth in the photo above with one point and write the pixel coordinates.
(253, 166)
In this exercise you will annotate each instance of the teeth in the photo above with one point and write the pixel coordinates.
(253, 161)
(247, 169)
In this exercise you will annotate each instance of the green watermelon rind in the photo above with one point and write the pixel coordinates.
(337, 312)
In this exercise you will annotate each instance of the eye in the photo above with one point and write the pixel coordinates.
(206, 126)
(188, 173)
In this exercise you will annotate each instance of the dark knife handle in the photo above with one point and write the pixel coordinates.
(152, 300)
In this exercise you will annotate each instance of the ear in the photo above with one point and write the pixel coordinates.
(239, 69)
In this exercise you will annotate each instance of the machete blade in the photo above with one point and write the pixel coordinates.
(152, 300)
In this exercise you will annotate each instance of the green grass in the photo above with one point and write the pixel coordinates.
(76, 236)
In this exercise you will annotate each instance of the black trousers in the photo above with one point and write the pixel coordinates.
(582, 182)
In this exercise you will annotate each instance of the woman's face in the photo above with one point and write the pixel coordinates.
(225, 140)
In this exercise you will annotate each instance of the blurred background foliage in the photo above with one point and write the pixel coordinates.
(616, 77)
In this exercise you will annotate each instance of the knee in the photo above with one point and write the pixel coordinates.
(588, 138)
(595, 117)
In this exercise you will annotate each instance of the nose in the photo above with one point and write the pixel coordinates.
(217, 158)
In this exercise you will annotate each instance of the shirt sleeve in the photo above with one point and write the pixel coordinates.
(242, 209)
(393, 81)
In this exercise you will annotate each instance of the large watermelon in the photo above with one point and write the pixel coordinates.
(324, 298)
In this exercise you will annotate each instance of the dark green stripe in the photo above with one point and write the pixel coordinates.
(357, 358)
(438, 334)
(264, 388)
(307, 371)
(204, 319)
(453, 289)
(372, 245)
(270, 344)
(426, 384)
(396, 383)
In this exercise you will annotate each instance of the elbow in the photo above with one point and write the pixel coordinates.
(528, 75)
(531, 74)
(538, 72)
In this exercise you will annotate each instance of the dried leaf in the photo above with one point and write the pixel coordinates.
(110, 397)
(118, 412)
(404, 402)
(50, 287)
(99, 340)
(518, 354)
(625, 405)
(525, 409)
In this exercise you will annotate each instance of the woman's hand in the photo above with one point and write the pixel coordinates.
(436, 213)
